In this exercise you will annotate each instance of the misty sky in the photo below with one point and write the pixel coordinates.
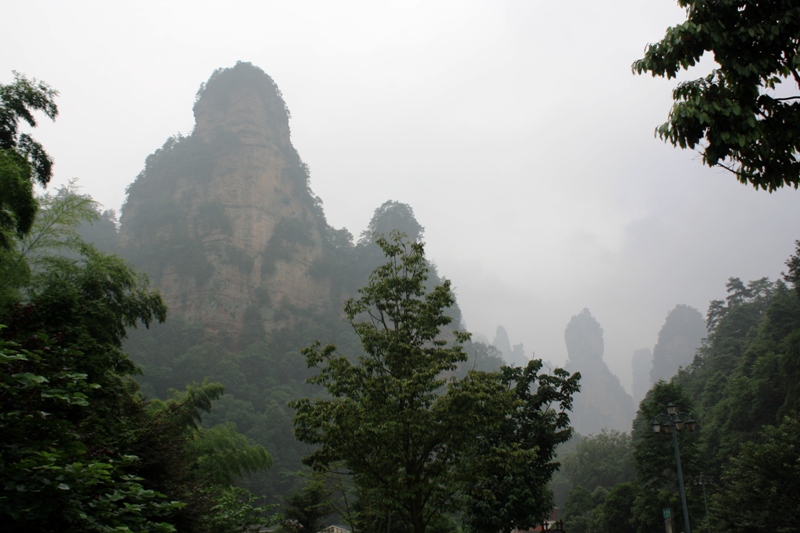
(515, 130)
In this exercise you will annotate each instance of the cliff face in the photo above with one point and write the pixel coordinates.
(511, 355)
(602, 402)
(223, 220)
(680, 337)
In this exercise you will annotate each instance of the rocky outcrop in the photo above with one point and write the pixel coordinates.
(680, 337)
(602, 402)
(223, 220)
(512, 355)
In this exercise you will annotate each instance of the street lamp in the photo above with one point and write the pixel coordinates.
(703, 481)
(671, 422)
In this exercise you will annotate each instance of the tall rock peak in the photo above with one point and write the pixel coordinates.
(681, 335)
(602, 403)
(511, 355)
(242, 101)
(584, 337)
(223, 220)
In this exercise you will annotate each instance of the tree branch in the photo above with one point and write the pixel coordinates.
(796, 76)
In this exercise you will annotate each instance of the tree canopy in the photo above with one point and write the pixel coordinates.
(760, 486)
(392, 216)
(392, 419)
(601, 460)
(23, 160)
(407, 430)
(745, 115)
(513, 463)
(81, 449)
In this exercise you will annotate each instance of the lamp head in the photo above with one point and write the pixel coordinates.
(671, 409)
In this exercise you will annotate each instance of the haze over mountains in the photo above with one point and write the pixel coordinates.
(535, 171)
(514, 132)
(225, 223)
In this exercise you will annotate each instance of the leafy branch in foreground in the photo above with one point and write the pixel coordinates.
(745, 115)
(22, 159)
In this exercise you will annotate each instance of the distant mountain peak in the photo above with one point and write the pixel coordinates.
(584, 337)
(602, 402)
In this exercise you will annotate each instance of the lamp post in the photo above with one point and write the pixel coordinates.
(671, 422)
(703, 481)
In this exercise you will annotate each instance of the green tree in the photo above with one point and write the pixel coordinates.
(654, 453)
(482, 356)
(793, 264)
(56, 473)
(743, 378)
(54, 232)
(392, 216)
(514, 462)
(760, 487)
(601, 460)
(578, 509)
(616, 510)
(23, 160)
(654, 456)
(401, 428)
(68, 411)
(221, 454)
(80, 448)
(599, 511)
(647, 510)
(309, 507)
(745, 374)
(195, 466)
(745, 115)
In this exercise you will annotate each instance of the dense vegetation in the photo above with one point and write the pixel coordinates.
(23, 160)
(265, 375)
(82, 448)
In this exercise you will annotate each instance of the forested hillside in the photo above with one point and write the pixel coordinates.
(741, 388)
